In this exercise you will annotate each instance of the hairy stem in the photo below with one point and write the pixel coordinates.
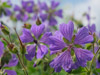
(24, 68)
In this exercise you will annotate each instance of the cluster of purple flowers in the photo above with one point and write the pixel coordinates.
(40, 10)
(67, 45)
(57, 44)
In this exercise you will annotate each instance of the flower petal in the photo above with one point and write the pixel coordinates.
(54, 4)
(1, 48)
(56, 44)
(59, 13)
(98, 64)
(26, 36)
(58, 35)
(17, 8)
(44, 6)
(63, 60)
(52, 21)
(83, 56)
(37, 30)
(42, 50)
(92, 28)
(43, 16)
(10, 72)
(67, 30)
(25, 17)
(12, 62)
(45, 38)
(83, 37)
(31, 52)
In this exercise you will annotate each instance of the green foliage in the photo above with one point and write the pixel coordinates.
(5, 58)
(6, 5)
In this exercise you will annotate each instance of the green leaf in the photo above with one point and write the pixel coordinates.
(98, 70)
(5, 58)
(79, 70)
(66, 41)
(6, 5)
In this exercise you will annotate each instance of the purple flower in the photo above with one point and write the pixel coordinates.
(51, 13)
(27, 37)
(64, 60)
(27, 7)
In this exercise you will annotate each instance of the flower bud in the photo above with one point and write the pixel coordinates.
(4, 29)
(38, 22)
(27, 26)
(37, 62)
(14, 50)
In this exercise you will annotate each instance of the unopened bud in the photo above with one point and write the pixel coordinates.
(38, 22)
(27, 26)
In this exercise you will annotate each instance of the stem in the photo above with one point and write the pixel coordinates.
(86, 69)
(10, 38)
(94, 58)
(93, 49)
(24, 68)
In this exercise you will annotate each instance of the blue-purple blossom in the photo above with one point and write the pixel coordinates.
(33, 36)
(24, 10)
(51, 13)
(64, 59)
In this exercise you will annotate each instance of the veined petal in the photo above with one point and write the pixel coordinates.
(26, 36)
(83, 56)
(10, 72)
(1, 48)
(64, 60)
(58, 35)
(31, 52)
(83, 37)
(42, 50)
(56, 44)
(67, 30)
(45, 38)
(37, 30)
